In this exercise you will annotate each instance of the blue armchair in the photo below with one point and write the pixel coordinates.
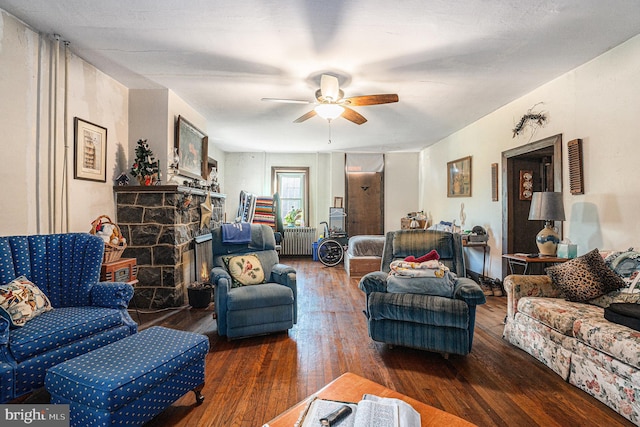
(430, 322)
(86, 313)
(257, 309)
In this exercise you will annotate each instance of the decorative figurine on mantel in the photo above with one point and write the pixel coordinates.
(174, 168)
(145, 168)
(122, 180)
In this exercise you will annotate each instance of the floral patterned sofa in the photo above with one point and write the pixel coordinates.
(575, 340)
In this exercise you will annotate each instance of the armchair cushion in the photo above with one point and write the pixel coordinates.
(421, 309)
(245, 269)
(267, 295)
(440, 286)
(60, 327)
(21, 301)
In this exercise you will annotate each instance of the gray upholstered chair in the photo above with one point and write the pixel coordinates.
(252, 309)
(429, 322)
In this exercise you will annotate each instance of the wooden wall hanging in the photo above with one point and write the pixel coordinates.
(494, 182)
(576, 176)
(526, 184)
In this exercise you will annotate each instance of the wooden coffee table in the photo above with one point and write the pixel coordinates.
(350, 387)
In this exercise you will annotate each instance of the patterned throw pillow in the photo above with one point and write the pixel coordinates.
(625, 264)
(244, 269)
(585, 277)
(21, 300)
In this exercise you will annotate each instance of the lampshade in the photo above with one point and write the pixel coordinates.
(547, 206)
(329, 111)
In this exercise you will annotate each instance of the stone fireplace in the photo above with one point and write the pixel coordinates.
(161, 224)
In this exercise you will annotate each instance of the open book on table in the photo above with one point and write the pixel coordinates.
(370, 411)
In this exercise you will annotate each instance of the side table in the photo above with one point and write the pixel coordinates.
(524, 260)
(484, 246)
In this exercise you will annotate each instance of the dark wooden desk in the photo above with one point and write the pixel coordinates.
(524, 260)
(350, 387)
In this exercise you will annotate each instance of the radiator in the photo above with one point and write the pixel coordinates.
(298, 241)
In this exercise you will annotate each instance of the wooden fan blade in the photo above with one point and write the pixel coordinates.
(305, 116)
(371, 99)
(353, 116)
(288, 101)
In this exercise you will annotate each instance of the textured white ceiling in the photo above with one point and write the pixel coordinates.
(450, 62)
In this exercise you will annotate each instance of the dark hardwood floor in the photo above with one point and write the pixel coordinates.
(250, 381)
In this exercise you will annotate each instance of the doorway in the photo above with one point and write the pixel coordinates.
(544, 159)
(364, 203)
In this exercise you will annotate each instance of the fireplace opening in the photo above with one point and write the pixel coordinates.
(203, 258)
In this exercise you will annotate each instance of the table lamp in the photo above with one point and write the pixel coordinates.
(547, 206)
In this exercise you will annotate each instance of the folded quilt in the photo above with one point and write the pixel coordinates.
(432, 268)
(427, 278)
(236, 233)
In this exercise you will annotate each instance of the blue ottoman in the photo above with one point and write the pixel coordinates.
(132, 380)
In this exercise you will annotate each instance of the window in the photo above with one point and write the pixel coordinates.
(292, 184)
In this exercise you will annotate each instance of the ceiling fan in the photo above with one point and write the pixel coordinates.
(332, 104)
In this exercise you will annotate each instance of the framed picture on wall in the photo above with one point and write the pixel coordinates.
(90, 151)
(459, 177)
(193, 150)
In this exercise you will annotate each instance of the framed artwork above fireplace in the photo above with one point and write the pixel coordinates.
(193, 150)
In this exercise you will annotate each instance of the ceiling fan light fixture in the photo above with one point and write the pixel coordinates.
(329, 111)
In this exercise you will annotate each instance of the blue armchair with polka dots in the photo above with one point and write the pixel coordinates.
(53, 306)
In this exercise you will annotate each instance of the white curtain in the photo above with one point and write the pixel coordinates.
(364, 162)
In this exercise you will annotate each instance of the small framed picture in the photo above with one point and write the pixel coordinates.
(337, 202)
(459, 177)
(90, 151)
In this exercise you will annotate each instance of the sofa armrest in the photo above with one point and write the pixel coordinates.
(111, 295)
(518, 286)
(221, 281)
(4, 331)
(283, 274)
(375, 281)
(468, 291)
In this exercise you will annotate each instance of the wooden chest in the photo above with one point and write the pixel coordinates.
(123, 270)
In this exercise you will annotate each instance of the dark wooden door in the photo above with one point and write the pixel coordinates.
(365, 203)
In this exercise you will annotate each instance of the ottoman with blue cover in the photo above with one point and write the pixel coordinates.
(132, 380)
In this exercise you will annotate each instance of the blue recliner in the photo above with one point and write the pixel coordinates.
(429, 322)
(255, 309)
(87, 314)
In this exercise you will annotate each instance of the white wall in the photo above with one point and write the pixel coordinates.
(401, 184)
(33, 166)
(598, 103)
(153, 115)
(252, 172)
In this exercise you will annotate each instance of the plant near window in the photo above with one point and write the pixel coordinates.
(293, 216)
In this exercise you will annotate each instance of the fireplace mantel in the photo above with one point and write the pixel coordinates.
(165, 189)
(160, 223)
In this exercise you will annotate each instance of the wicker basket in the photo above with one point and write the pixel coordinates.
(111, 252)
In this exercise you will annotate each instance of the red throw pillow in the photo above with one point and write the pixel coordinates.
(424, 258)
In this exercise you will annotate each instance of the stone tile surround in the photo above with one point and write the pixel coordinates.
(158, 233)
